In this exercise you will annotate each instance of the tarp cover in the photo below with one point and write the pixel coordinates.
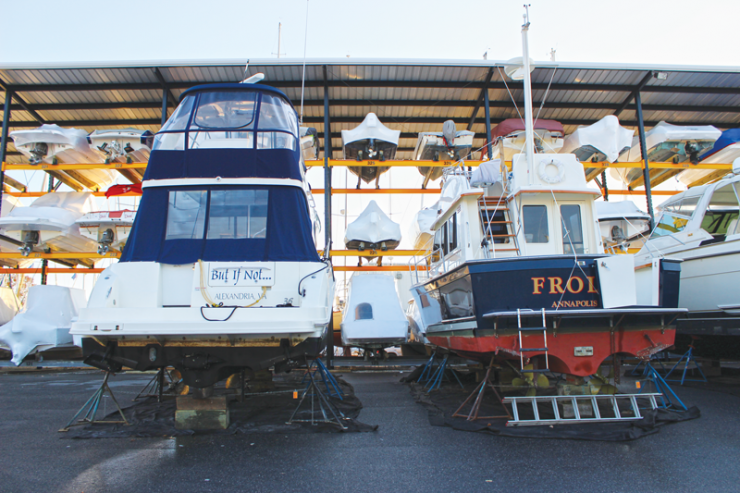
(511, 125)
(57, 211)
(45, 321)
(665, 132)
(383, 321)
(370, 128)
(618, 210)
(373, 226)
(52, 134)
(607, 136)
(287, 238)
(488, 173)
(266, 413)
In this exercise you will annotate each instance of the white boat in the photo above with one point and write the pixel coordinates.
(518, 271)
(127, 145)
(371, 141)
(309, 143)
(665, 143)
(622, 224)
(372, 230)
(50, 222)
(724, 151)
(7, 244)
(605, 140)
(447, 145)
(700, 228)
(109, 228)
(421, 226)
(373, 317)
(52, 144)
(220, 273)
(44, 323)
(509, 138)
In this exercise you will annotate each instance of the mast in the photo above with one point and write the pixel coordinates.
(528, 124)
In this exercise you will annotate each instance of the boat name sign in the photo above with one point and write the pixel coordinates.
(228, 275)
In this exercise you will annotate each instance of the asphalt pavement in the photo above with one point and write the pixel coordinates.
(404, 454)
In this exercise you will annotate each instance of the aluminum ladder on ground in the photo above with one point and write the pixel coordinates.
(487, 215)
(523, 350)
(578, 408)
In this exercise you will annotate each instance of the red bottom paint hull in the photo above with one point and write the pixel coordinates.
(561, 348)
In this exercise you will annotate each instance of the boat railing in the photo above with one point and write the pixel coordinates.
(426, 266)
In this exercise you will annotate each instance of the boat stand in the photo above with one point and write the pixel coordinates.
(668, 397)
(635, 371)
(155, 387)
(331, 384)
(317, 397)
(478, 393)
(90, 408)
(689, 357)
(435, 377)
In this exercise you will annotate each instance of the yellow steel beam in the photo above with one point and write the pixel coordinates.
(391, 163)
(642, 192)
(682, 166)
(61, 255)
(52, 270)
(68, 167)
(386, 268)
(377, 253)
(371, 191)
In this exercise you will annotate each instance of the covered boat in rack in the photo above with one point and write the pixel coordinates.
(128, 145)
(373, 318)
(725, 151)
(309, 143)
(623, 225)
(372, 230)
(665, 143)
(509, 138)
(220, 273)
(447, 145)
(52, 144)
(605, 140)
(371, 141)
(50, 223)
(109, 228)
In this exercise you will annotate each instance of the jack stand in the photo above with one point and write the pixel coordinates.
(689, 356)
(155, 387)
(478, 392)
(323, 402)
(92, 405)
(427, 370)
(438, 375)
(634, 371)
(667, 396)
(326, 377)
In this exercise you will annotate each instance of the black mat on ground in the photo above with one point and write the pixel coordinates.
(441, 404)
(265, 413)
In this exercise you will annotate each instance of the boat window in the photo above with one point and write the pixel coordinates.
(684, 207)
(186, 215)
(364, 311)
(275, 140)
(572, 228)
(535, 224)
(237, 214)
(220, 140)
(228, 109)
(169, 142)
(453, 232)
(445, 240)
(277, 114)
(439, 236)
(668, 224)
(716, 222)
(179, 119)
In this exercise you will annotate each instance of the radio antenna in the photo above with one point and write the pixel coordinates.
(303, 78)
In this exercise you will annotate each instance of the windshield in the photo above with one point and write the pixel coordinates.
(228, 109)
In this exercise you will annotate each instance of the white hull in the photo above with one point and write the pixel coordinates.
(724, 156)
(373, 229)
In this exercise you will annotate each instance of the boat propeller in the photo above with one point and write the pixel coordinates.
(529, 381)
(599, 384)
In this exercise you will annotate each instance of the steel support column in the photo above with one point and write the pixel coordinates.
(489, 144)
(646, 165)
(327, 210)
(4, 141)
(164, 105)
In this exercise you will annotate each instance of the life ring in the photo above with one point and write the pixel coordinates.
(548, 178)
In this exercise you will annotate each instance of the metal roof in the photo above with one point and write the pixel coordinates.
(408, 95)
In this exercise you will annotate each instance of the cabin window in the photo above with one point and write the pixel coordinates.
(669, 224)
(535, 224)
(685, 207)
(572, 228)
(440, 237)
(275, 140)
(364, 311)
(179, 119)
(721, 211)
(452, 233)
(228, 109)
(215, 140)
(237, 214)
(186, 215)
(277, 114)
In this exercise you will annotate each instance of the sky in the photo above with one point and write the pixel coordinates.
(626, 31)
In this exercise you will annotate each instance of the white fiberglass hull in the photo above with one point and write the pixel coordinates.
(725, 156)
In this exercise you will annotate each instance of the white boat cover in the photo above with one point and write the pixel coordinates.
(51, 134)
(373, 227)
(621, 222)
(488, 173)
(9, 305)
(435, 141)
(606, 137)
(370, 128)
(421, 226)
(665, 132)
(309, 143)
(112, 143)
(619, 210)
(45, 322)
(373, 316)
(54, 211)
